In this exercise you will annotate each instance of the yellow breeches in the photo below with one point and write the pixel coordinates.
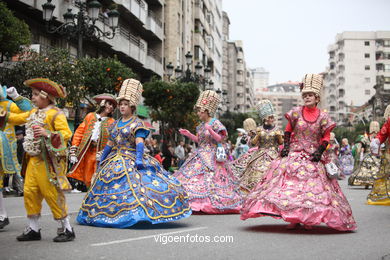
(37, 187)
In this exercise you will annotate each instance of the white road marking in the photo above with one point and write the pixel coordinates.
(47, 214)
(146, 237)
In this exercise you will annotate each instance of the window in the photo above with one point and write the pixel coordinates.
(198, 53)
(367, 67)
(387, 67)
(367, 92)
(386, 43)
(366, 55)
(366, 43)
(367, 80)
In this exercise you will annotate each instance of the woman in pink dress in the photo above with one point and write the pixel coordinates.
(296, 187)
(210, 184)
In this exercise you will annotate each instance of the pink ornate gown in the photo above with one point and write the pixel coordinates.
(297, 189)
(211, 185)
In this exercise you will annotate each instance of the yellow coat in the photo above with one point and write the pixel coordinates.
(53, 158)
(22, 105)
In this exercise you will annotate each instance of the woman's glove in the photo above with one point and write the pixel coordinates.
(286, 145)
(316, 156)
(188, 134)
(139, 156)
(213, 134)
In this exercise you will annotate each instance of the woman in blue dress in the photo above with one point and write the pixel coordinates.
(131, 186)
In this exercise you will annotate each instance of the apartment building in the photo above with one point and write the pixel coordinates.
(260, 81)
(359, 65)
(195, 27)
(138, 42)
(283, 96)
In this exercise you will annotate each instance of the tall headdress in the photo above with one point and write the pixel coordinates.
(131, 90)
(312, 83)
(249, 124)
(374, 127)
(265, 108)
(208, 100)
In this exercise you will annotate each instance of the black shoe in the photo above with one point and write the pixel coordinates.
(29, 235)
(3, 222)
(64, 235)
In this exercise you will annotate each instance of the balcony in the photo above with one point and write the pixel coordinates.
(341, 93)
(384, 73)
(342, 106)
(154, 62)
(154, 25)
(137, 7)
(340, 80)
(199, 40)
(240, 66)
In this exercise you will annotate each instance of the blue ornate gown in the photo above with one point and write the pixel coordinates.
(121, 195)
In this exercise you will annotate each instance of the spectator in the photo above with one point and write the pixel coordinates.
(168, 155)
(180, 154)
(159, 156)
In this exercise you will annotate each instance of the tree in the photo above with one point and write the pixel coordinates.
(13, 32)
(56, 64)
(172, 104)
(81, 78)
(103, 75)
(350, 132)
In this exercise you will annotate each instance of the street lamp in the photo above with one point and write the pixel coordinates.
(200, 76)
(80, 26)
(169, 70)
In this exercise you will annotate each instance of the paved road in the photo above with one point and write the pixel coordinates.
(261, 238)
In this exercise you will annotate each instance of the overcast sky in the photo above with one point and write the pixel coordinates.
(290, 37)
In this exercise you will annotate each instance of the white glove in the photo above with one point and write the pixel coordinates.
(375, 145)
(12, 92)
(73, 159)
(98, 156)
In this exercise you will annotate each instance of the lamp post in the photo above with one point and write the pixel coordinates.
(200, 76)
(79, 26)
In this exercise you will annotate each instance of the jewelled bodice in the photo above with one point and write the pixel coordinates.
(124, 136)
(268, 138)
(307, 134)
(204, 137)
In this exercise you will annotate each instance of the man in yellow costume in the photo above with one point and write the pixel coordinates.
(45, 165)
(380, 193)
(8, 149)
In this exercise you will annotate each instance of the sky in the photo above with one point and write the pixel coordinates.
(289, 38)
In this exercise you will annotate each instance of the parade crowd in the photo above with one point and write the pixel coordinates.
(129, 176)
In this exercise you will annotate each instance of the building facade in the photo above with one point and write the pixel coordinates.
(138, 42)
(358, 61)
(195, 27)
(283, 96)
(260, 81)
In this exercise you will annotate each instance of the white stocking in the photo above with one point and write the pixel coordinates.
(33, 223)
(3, 213)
